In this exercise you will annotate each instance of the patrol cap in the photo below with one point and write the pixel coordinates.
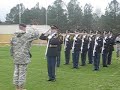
(22, 24)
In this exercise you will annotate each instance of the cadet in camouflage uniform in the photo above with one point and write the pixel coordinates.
(118, 46)
(20, 51)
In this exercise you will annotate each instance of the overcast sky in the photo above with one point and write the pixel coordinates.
(6, 5)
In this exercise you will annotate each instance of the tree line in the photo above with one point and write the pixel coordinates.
(69, 17)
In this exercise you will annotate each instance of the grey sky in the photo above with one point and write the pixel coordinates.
(6, 5)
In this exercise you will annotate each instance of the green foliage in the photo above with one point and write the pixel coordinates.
(13, 16)
(111, 19)
(87, 18)
(67, 78)
(57, 15)
(69, 17)
(74, 15)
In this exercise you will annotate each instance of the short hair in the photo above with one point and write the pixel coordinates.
(22, 24)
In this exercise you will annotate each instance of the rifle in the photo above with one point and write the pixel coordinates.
(89, 41)
(49, 37)
(66, 39)
(75, 38)
(82, 42)
(104, 41)
(94, 50)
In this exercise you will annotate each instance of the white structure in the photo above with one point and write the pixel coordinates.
(6, 32)
(10, 29)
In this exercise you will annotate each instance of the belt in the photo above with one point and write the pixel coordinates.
(52, 45)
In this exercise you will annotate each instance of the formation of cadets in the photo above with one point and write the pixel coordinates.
(89, 46)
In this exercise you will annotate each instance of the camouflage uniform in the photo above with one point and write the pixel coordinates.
(20, 51)
(118, 46)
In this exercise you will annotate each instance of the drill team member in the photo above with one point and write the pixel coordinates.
(96, 51)
(67, 47)
(105, 49)
(51, 51)
(60, 37)
(111, 47)
(90, 48)
(77, 41)
(84, 49)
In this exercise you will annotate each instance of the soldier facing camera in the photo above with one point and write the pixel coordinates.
(51, 50)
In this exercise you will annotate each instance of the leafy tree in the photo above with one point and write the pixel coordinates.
(88, 17)
(112, 16)
(74, 15)
(35, 15)
(57, 15)
(13, 16)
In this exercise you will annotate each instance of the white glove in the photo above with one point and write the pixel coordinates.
(84, 36)
(50, 36)
(97, 38)
(66, 39)
(75, 38)
(96, 43)
(110, 36)
(67, 36)
(90, 39)
(104, 41)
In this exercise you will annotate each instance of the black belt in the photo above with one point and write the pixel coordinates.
(52, 45)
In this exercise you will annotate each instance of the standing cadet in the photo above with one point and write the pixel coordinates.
(111, 47)
(60, 37)
(51, 51)
(20, 51)
(105, 48)
(84, 49)
(96, 51)
(90, 48)
(67, 47)
(77, 41)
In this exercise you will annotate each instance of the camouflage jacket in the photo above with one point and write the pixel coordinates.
(20, 46)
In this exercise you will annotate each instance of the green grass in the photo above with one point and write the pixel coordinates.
(67, 78)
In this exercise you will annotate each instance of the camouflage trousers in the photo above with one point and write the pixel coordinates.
(19, 76)
(118, 53)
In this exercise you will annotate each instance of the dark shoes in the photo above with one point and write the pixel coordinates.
(58, 66)
(75, 68)
(105, 66)
(52, 80)
(96, 70)
(109, 63)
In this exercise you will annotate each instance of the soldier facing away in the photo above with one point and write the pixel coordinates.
(20, 51)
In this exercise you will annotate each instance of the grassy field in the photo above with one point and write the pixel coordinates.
(67, 78)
